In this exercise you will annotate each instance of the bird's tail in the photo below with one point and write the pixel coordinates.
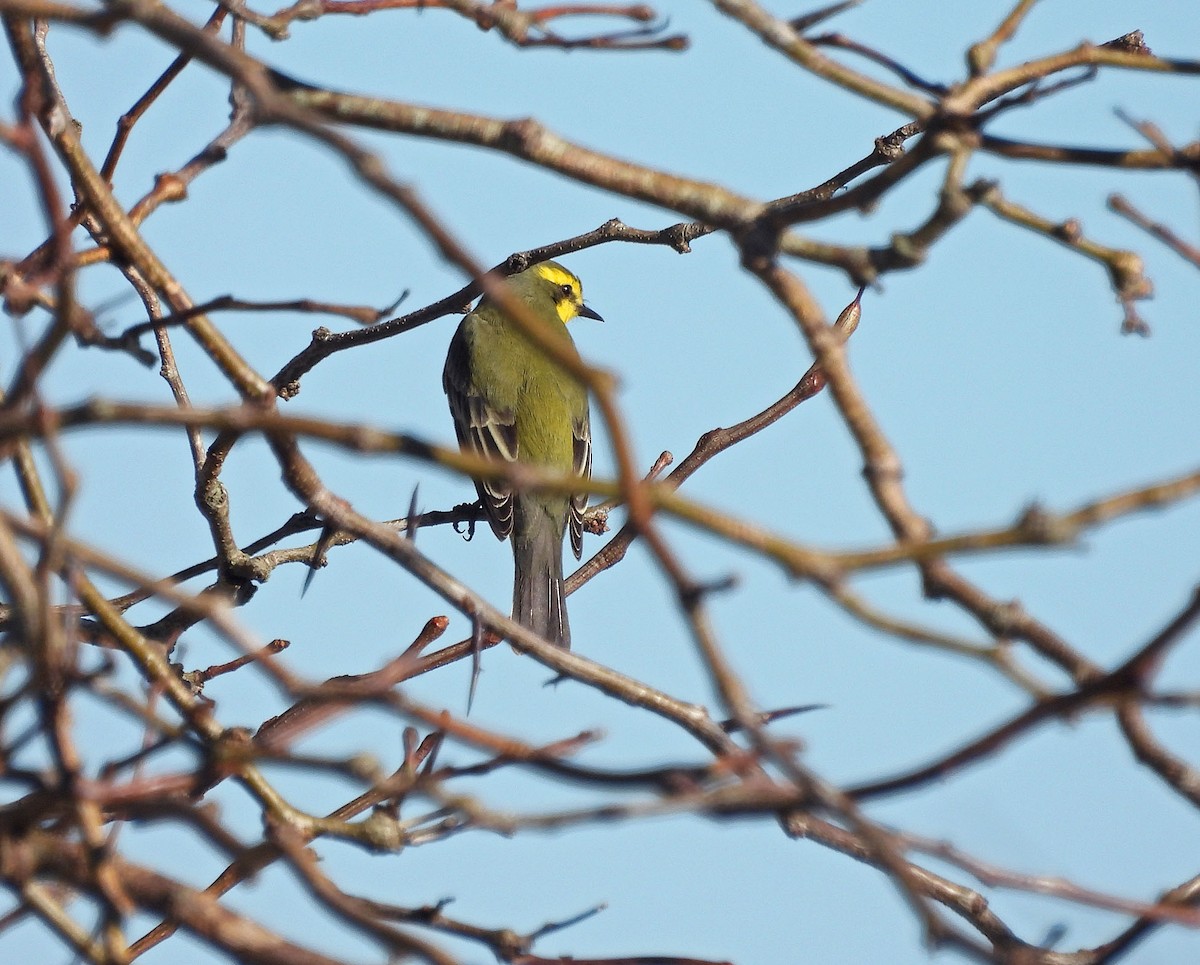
(538, 598)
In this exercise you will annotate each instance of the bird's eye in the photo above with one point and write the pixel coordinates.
(566, 290)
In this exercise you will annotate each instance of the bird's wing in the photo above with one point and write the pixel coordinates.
(481, 430)
(582, 447)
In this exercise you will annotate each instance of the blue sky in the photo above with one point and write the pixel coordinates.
(996, 369)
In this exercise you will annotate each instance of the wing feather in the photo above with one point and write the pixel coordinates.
(582, 448)
(481, 430)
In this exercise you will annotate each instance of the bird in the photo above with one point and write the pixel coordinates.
(510, 401)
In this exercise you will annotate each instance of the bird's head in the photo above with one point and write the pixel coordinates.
(549, 279)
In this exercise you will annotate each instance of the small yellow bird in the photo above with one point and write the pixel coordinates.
(510, 401)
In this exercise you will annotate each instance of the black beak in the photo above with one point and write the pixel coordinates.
(590, 313)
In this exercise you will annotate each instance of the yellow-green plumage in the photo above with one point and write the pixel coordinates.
(510, 401)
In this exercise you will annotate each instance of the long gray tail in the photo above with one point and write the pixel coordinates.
(538, 598)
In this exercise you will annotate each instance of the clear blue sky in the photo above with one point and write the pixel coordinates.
(996, 369)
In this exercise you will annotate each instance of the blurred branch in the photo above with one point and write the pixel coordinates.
(992, 875)
(127, 121)
(1186, 158)
(1034, 526)
(842, 42)
(981, 56)
(1125, 268)
(782, 36)
(49, 855)
(524, 28)
(986, 87)
(1123, 687)
(1184, 249)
